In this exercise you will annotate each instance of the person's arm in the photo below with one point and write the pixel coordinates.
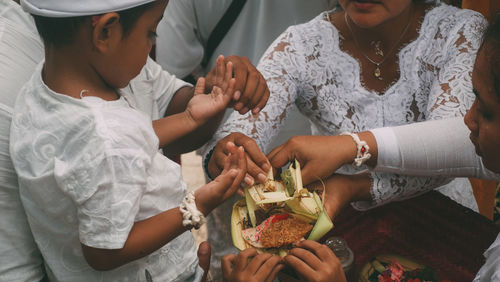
(200, 111)
(257, 131)
(440, 147)
(251, 94)
(148, 235)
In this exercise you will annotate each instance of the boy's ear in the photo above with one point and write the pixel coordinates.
(107, 29)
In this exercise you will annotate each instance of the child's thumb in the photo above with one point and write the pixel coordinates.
(204, 252)
(199, 88)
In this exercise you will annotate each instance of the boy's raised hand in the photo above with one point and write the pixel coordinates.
(226, 184)
(248, 265)
(203, 106)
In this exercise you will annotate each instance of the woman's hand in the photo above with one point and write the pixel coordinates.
(251, 92)
(226, 184)
(342, 190)
(320, 156)
(257, 163)
(313, 261)
(248, 265)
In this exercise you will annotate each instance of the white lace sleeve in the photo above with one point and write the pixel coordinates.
(281, 81)
(450, 96)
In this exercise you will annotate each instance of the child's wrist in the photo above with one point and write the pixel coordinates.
(189, 121)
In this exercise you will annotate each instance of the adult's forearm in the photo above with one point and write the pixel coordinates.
(432, 148)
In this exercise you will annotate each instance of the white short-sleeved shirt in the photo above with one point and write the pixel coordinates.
(88, 169)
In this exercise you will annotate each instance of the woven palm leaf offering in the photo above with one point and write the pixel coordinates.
(274, 215)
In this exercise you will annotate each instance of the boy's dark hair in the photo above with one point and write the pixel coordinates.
(492, 42)
(61, 31)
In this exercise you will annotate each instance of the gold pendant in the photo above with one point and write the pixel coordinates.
(377, 73)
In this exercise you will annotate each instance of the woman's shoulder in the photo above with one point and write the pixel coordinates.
(316, 25)
(447, 18)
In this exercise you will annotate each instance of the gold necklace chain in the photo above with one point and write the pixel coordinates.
(377, 72)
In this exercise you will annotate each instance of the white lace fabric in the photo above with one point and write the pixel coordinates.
(306, 66)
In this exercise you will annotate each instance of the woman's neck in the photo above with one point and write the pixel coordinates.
(387, 32)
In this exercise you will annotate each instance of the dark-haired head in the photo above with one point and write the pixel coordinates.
(491, 45)
(61, 31)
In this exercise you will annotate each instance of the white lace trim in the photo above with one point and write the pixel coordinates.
(306, 66)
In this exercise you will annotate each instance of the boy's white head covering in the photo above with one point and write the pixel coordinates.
(76, 8)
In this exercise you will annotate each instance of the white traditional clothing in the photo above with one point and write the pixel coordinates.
(307, 67)
(77, 8)
(88, 169)
(440, 147)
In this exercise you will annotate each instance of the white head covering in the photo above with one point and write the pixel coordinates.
(76, 8)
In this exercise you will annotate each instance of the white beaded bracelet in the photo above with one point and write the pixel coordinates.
(363, 150)
(192, 217)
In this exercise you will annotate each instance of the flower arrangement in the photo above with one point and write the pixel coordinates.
(390, 268)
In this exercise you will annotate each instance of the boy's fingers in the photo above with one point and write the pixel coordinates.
(228, 75)
(219, 70)
(200, 86)
(228, 93)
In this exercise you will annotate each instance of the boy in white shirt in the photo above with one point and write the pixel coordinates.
(96, 190)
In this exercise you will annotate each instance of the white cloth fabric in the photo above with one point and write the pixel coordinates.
(490, 271)
(88, 169)
(20, 51)
(76, 8)
(306, 66)
(440, 147)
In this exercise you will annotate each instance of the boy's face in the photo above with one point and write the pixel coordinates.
(129, 53)
(483, 119)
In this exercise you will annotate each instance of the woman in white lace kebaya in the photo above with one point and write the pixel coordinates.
(377, 64)
(466, 147)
